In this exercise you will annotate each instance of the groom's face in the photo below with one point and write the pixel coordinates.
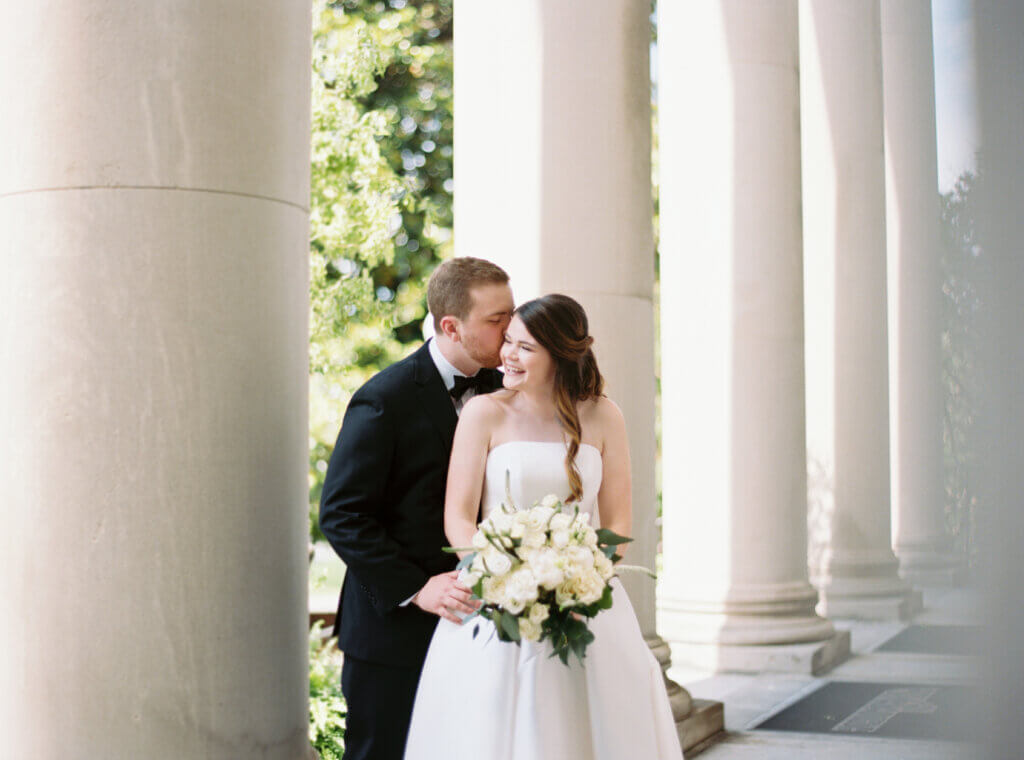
(482, 331)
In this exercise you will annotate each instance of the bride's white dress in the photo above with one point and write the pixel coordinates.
(482, 697)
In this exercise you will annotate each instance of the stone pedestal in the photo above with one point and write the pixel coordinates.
(845, 291)
(575, 191)
(734, 458)
(153, 351)
(915, 296)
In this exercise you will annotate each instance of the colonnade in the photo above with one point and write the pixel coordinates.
(152, 418)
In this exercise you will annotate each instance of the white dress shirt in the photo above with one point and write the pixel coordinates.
(448, 374)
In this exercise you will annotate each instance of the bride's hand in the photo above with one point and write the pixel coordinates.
(443, 595)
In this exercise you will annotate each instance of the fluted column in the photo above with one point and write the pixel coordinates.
(560, 196)
(154, 168)
(735, 592)
(923, 546)
(845, 287)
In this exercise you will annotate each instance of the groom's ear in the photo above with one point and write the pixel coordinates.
(450, 327)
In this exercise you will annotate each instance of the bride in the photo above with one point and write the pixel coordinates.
(553, 431)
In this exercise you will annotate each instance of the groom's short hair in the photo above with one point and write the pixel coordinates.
(448, 291)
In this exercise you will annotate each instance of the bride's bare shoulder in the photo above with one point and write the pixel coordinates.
(487, 407)
(601, 420)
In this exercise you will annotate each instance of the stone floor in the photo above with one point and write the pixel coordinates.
(906, 693)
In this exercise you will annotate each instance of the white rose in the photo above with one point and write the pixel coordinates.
(528, 630)
(494, 590)
(539, 613)
(551, 501)
(538, 517)
(513, 605)
(534, 537)
(590, 587)
(496, 562)
(501, 521)
(560, 538)
(565, 594)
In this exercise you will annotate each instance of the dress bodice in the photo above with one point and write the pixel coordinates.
(536, 469)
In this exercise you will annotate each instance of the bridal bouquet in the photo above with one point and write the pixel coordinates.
(541, 573)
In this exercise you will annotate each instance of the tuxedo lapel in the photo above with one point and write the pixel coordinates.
(433, 396)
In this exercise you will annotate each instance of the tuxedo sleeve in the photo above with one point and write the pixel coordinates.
(353, 503)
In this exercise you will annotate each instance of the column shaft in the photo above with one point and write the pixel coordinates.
(735, 571)
(915, 294)
(153, 408)
(845, 274)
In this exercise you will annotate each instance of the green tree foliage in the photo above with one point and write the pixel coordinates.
(327, 708)
(962, 259)
(381, 191)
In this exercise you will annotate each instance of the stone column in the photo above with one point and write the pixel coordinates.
(735, 593)
(153, 281)
(560, 195)
(915, 295)
(845, 289)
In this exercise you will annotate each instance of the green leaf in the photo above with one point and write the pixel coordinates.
(611, 538)
(510, 625)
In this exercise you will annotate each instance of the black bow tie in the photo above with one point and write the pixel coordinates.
(462, 384)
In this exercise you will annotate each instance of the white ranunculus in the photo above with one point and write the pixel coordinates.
(560, 538)
(521, 586)
(581, 519)
(551, 501)
(539, 613)
(560, 521)
(514, 606)
(528, 630)
(580, 559)
(604, 566)
(545, 564)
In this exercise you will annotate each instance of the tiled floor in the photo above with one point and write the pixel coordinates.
(878, 704)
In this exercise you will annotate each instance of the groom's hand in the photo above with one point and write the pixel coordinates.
(443, 596)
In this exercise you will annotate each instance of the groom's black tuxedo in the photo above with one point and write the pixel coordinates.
(382, 509)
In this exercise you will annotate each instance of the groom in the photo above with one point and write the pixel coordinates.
(382, 507)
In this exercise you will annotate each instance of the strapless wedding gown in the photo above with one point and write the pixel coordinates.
(480, 697)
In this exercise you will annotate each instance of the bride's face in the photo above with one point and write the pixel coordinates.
(527, 364)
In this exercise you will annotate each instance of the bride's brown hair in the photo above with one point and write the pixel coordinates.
(559, 324)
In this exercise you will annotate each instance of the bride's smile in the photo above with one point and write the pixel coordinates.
(527, 364)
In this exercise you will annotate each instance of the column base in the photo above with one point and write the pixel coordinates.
(705, 720)
(930, 566)
(696, 720)
(866, 586)
(895, 607)
(812, 658)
